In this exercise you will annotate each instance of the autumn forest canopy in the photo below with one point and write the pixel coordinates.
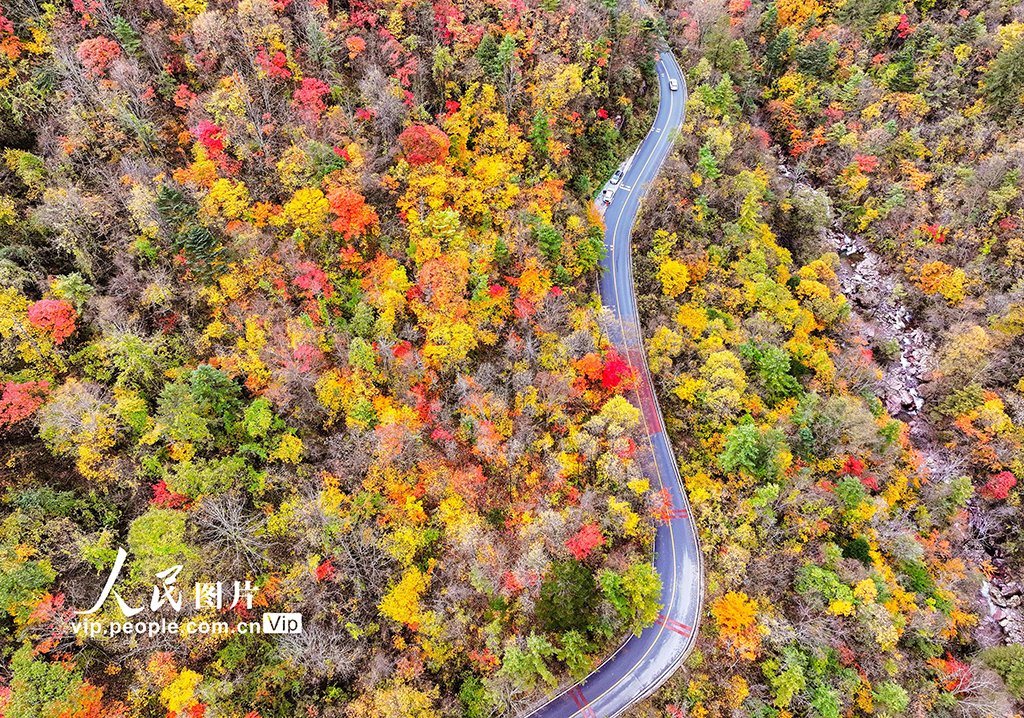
(303, 295)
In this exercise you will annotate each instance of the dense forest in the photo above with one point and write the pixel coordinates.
(832, 281)
(299, 313)
(299, 299)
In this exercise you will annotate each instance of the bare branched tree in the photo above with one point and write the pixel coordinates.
(322, 651)
(234, 535)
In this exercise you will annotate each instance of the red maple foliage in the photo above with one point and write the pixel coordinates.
(998, 486)
(276, 66)
(47, 607)
(488, 438)
(313, 280)
(19, 401)
(401, 349)
(355, 46)
(866, 163)
(469, 483)
(86, 8)
(954, 676)
(55, 316)
(588, 538)
(663, 506)
(423, 144)
(853, 467)
(834, 114)
(935, 231)
(308, 100)
(167, 499)
(615, 371)
(354, 215)
(522, 308)
(847, 656)
(484, 658)
(210, 136)
(762, 137)
(904, 29)
(96, 54)
(588, 369)
(325, 570)
(304, 358)
(446, 17)
(511, 583)
(184, 97)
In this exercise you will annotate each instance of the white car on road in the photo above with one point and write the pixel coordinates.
(673, 85)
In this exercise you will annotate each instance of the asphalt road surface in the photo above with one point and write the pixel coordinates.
(644, 663)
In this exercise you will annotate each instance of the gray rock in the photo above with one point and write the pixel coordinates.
(1010, 588)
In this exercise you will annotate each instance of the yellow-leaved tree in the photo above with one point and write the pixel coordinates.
(674, 277)
(736, 616)
(402, 602)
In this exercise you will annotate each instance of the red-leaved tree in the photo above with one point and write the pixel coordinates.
(96, 54)
(998, 486)
(55, 316)
(423, 144)
(19, 401)
(354, 215)
(308, 100)
(588, 538)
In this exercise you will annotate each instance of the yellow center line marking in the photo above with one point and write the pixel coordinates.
(650, 443)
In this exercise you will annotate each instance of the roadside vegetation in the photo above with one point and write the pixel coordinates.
(847, 544)
(304, 295)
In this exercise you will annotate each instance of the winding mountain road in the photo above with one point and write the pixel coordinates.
(642, 664)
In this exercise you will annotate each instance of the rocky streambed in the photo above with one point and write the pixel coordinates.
(879, 316)
(1005, 609)
(881, 319)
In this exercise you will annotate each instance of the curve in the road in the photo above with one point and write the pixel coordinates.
(643, 663)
